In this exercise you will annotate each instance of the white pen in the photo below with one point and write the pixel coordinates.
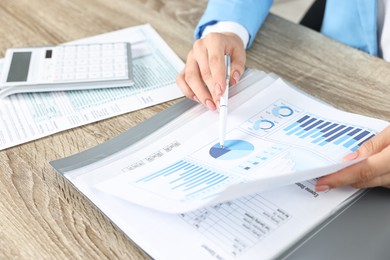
(223, 105)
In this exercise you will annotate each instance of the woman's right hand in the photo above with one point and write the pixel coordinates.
(203, 78)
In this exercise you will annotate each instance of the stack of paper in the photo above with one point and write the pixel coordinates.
(179, 196)
(27, 117)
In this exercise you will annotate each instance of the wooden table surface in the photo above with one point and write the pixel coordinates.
(42, 215)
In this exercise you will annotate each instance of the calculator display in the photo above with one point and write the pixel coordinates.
(19, 67)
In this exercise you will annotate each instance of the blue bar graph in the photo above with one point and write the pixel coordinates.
(186, 177)
(304, 125)
(347, 136)
(322, 132)
(343, 132)
(356, 139)
(326, 124)
(316, 130)
(331, 133)
(359, 144)
(314, 125)
(295, 127)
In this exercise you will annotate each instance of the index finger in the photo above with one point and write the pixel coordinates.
(213, 68)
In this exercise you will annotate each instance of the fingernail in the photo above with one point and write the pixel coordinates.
(210, 105)
(322, 188)
(236, 76)
(351, 156)
(218, 105)
(196, 99)
(218, 89)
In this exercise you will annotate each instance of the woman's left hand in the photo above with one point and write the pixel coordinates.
(373, 171)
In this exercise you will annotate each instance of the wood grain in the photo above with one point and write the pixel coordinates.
(42, 215)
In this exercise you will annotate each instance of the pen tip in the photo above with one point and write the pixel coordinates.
(221, 146)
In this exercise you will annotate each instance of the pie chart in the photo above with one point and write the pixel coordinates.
(233, 149)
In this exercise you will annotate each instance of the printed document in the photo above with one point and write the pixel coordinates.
(27, 117)
(275, 137)
(273, 130)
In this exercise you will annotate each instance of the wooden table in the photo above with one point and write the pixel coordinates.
(42, 215)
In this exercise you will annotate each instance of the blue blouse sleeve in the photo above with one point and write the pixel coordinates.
(249, 13)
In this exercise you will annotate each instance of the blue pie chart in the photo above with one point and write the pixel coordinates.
(233, 149)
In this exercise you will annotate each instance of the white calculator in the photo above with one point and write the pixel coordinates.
(66, 67)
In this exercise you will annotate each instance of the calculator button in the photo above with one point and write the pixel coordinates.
(120, 66)
(82, 49)
(107, 47)
(69, 62)
(82, 68)
(58, 54)
(120, 73)
(57, 77)
(94, 68)
(108, 74)
(94, 75)
(121, 53)
(107, 60)
(81, 76)
(103, 61)
(94, 54)
(81, 62)
(94, 61)
(95, 48)
(67, 76)
(82, 54)
(108, 53)
(120, 60)
(68, 69)
(107, 67)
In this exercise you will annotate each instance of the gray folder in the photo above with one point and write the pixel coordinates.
(359, 230)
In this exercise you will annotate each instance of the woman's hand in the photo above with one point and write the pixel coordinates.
(203, 78)
(371, 172)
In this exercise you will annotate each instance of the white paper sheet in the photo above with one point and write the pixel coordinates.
(258, 226)
(275, 137)
(26, 117)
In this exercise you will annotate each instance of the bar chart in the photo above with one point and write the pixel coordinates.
(262, 157)
(323, 133)
(186, 180)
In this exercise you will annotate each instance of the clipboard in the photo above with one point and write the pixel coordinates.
(117, 146)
